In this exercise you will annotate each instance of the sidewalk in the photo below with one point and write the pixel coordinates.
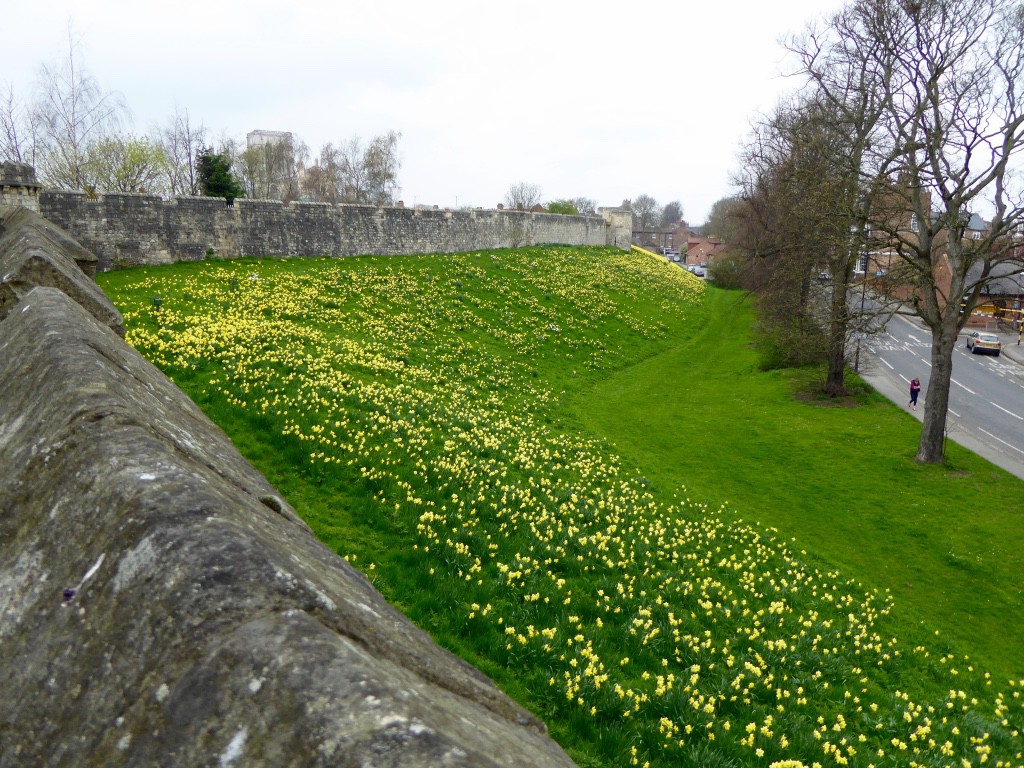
(1010, 348)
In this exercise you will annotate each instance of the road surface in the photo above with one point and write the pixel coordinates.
(986, 398)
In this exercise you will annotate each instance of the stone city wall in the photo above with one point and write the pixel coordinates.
(131, 230)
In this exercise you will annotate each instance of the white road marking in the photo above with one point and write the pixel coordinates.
(887, 363)
(1008, 445)
(1006, 411)
(971, 391)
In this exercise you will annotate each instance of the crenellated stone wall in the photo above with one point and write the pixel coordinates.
(18, 187)
(132, 230)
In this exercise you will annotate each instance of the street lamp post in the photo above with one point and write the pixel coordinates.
(861, 261)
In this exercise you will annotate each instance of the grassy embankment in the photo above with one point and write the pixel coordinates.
(529, 451)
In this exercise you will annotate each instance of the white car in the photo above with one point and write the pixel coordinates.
(979, 342)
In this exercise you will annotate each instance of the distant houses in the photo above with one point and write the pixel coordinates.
(881, 264)
(680, 244)
(703, 251)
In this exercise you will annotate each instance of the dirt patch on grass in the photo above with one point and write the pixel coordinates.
(824, 401)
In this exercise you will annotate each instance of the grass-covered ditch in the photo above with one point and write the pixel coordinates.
(566, 465)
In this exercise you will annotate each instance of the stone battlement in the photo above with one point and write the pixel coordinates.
(126, 230)
(133, 230)
(18, 187)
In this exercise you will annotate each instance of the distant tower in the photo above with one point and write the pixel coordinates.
(263, 138)
(18, 187)
(620, 226)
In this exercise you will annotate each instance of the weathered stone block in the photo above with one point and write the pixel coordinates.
(34, 252)
(161, 605)
(61, 241)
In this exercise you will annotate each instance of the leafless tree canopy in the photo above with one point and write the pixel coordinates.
(522, 196)
(270, 170)
(181, 142)
(646, 211)
(71, 113)
(584, 205)
(19, 129)
(926, 96)
(353, 173)
(672, 213)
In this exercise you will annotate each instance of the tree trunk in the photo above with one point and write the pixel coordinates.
(933, 431)
(838, 322)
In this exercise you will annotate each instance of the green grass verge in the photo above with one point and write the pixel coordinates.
(838, 476)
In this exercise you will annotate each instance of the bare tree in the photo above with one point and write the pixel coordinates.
(645, 211)
(725, 219)
(182, 142)
(72, 112)
(382, 165)
(585, 206)
(928, 95)
(19, 130)
(672, 213)
(522, 196)
(353, 180)
(322, 180)
(269, 166)
(955, 118)
(790, 185)
(847, 69)
(352, 172)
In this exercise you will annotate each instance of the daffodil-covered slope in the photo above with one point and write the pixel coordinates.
(418, 401)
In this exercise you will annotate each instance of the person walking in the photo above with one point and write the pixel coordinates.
(915, 390)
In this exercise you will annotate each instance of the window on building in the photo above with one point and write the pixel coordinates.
(976, 235)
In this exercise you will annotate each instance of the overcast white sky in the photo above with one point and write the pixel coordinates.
(599, 100)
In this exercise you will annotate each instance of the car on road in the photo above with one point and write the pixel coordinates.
(981, 342)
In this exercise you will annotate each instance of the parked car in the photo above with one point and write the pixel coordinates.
(698, 270)
(980, 342)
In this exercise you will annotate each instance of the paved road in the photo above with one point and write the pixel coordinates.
(986, 400)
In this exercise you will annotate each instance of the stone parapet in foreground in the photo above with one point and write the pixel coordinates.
(161, 605)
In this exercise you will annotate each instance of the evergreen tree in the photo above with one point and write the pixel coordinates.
(215, 177)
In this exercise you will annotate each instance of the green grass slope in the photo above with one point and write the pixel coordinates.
(948, 542)
(529, 453)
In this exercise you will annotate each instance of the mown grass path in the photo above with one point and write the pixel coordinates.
(948, 542)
